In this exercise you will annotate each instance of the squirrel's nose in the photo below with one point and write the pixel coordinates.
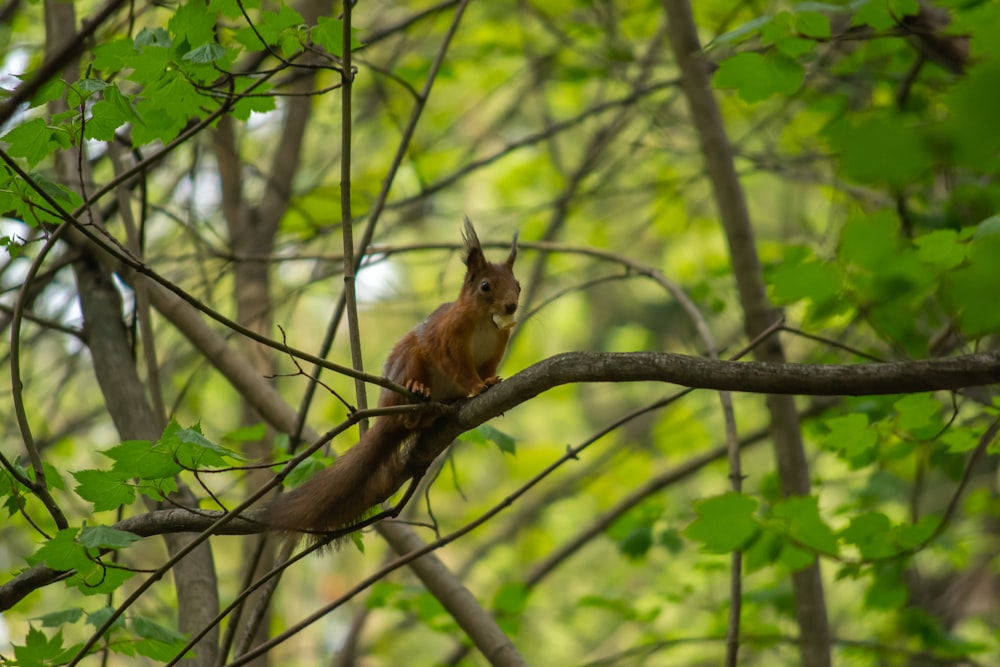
(510, 308)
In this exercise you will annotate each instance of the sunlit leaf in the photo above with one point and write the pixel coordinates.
(106, 537)
(870, 533)
(107, 490)
(138, 458)
(850, 434)
(725, 523)
(329, 33)
(815, 281)
(940, 248)
(813, 24)
(805, 525)
(33, 140)
(917, 410)
(756, 77)
(880, 148)
(206, 53)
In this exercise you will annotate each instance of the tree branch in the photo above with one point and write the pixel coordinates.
(754, 377)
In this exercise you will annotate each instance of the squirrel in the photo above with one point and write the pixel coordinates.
(452, 354)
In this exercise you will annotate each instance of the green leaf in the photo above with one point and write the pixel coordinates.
(874, 13)
(903, 8)
(970, 290)
(247, 433)
(329, 34)
(63, 553)
(916, 411)
(670, 539)
(149, 629)
(940, 248)
(428, 609)
(988, 227)
(511, 598)
(382, 594)
(622, 608)
(100, 616)
(764, 550)
(504, 442)
(160, 125)
(270, 27)
(33, 140)
(972, 124)
(107, 490)
(816, 281)
(756, 77)
(785, 37)
(870, 533)
(740, 33)
(794, 558)
(913, 535)
(805, 525)
(305, 469)
(725, 523)
(877, 148)
(114, 55)
(138, 458)
(39, 649)
(272, 24)
(158, 642)
(485, 434)
(153, 37)
(99, 537)
(88, 86)
(636, 544)
(813, 24)
(258, 102)
(192, 449)
(960, 440)
(632, 532)
(869, 241)
(158, 651)
(49, 91)
(103, 122)
(151, 65)
(850, 434)
(62, 617)
(12, 245)
(100, 580)
(206, 53)
(193, 23)
(231, 8)
(887, 590)
(107, 115)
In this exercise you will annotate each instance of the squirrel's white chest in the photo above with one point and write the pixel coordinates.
(483, 343)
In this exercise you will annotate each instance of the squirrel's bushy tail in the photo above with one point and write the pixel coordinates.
(336, 497)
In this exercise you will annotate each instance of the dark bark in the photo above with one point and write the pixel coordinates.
(758, 313)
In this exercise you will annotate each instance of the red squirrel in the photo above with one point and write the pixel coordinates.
(452, 354)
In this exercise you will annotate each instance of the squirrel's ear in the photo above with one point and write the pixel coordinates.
(473, 249)
(509, 262)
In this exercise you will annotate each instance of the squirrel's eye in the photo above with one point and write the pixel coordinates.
(484, 286)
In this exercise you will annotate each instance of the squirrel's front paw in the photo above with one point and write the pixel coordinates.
(487, 383)
(418, 388)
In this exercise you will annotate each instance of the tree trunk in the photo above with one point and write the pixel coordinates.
(793, 471)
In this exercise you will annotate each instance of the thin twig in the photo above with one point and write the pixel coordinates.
(378, 206)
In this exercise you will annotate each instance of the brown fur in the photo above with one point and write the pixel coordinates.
(452, 354)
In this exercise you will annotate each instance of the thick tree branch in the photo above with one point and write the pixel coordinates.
(755, 377)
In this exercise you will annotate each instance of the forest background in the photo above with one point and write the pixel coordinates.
(698, 182)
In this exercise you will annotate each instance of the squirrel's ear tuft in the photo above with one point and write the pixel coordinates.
(469, 235)
(509, 262)
(473, 249)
